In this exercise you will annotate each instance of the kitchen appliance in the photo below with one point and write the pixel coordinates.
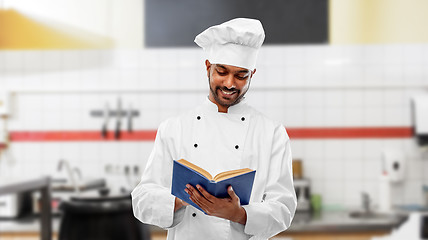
(14, 205)
(303, 192)
(424, 226)
(392, 172)
(393, 165)
(420, 123)
(10, 205)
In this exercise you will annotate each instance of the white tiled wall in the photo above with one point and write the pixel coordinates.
(302, 86)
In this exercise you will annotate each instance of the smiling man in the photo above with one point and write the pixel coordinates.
(222, 134)
(228, 84)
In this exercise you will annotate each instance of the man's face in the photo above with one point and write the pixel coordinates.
(228, 84)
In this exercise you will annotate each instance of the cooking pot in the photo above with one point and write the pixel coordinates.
(100, 217)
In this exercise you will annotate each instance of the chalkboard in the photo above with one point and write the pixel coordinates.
(172, 23)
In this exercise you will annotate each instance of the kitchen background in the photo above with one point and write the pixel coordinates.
(301, 86)
(360, 86)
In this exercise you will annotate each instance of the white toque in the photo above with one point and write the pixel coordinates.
(235, 42)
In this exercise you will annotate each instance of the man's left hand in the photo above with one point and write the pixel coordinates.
(227, 208)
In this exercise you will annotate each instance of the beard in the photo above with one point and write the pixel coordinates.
(227, 102)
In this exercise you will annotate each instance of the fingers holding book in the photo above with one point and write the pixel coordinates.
(227, 208)
(200, 199)
(232, 194)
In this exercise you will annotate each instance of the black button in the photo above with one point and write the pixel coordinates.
(243, 119)
(193, 214)
(196, 145)
(396, 165)
(236, 146)
(198, 117)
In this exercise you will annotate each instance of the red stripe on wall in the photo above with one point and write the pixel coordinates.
(351, 132)
(149, 135)
(49, 136)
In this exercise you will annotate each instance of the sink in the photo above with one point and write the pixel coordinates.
(371, 215)
(62, 185)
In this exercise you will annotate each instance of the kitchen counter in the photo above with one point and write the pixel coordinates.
(9, 185)
(337, 222)
(340, 221)
(326, 222)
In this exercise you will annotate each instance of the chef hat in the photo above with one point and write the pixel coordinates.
(235, 42)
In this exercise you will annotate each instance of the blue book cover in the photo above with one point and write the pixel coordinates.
(185, 172)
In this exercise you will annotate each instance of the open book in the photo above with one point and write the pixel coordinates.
(185, 172)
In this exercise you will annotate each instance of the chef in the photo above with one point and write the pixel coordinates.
(223, 133)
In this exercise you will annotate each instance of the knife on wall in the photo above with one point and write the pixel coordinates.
(104, 128)
(118, 119)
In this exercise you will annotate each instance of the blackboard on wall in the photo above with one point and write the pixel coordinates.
(172, 23)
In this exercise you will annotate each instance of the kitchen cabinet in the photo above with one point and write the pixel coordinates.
(42, 184)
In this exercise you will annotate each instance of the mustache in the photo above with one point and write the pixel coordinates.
(229, 89)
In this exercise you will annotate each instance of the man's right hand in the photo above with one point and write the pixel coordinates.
(179, 204)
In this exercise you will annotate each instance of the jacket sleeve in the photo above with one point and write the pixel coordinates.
(274, 214)
(152, 201)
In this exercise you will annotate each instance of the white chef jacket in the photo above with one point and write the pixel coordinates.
(217, 142)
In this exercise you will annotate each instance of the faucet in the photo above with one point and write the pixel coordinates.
(78, 172)
(65, 163)
(366, 202)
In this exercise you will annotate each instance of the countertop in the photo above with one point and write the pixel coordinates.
(327, 221)
(340, 221)
(9, 185)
